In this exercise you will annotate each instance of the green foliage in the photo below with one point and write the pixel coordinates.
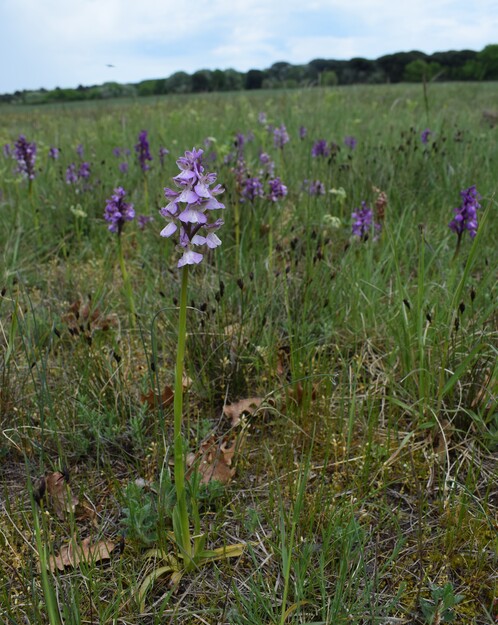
(439, 609)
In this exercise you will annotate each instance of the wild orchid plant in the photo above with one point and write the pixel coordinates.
(466, 215)
(187, 214)
(117, 213)
(144, 157)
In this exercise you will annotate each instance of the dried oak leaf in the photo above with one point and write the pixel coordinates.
(235, 411)
(154, 401)
(54, 486)
(167, 396)
(73, 554)
(213, 461)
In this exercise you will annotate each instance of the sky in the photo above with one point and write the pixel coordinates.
(65, 43)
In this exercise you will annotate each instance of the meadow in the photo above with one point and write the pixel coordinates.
(340, 416)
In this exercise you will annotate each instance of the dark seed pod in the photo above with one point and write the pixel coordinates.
(240, 284)
(407, 304)
(461, 308)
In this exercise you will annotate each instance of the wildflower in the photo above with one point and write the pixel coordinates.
(143, 220)
(163, 152)
(123, 167)
(320, 149)
(277, 189)
(280, 137)
(466, 214)
(79, 150)
(117, 152)
(268, 164)
(84, 171)
(303, 132)
(424, 135)
(25, 155)
(53, 153)
(350, 142)
(262, 118)
(252, 188)
(117, 211)
(197, 197)
(142, 150)
(363, 222)
(7, 150)
(71, 174)
(315, 187)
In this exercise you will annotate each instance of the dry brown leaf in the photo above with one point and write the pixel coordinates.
(80, 319)
(154, 401)
(235, 411)
(213, 461)
(73, 554)
(85, 510)
(54, 486)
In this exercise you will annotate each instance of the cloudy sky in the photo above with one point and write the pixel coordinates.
(49, 43)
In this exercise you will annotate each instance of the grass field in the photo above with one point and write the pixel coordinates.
(360, 475)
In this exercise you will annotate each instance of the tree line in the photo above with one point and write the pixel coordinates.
(415, 66)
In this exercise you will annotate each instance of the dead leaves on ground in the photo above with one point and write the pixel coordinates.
(53, 490)
(73, 554)
(213, 460)
(237, 410)
(153, 401)
(82, 318)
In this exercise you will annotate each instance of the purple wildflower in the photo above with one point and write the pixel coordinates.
(424, 135)
(25, 155)
(350, 142)
(252, 188)
(315, 187)
(197, 198)
(79, 150)
(363, 222)
(268, 164)
(280, 137)
(71, 174)
(84, 171)
(262, 118)
(117, 211)
(117, 152)
(123, 167)
(143, 220)
(53, 153)
(303, 132)
(320, 148)
(7, 150)
(142, 150)
(466, 214)
(277, 189)
(163, 152)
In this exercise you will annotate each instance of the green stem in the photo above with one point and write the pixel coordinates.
(126, 282)
(181, 496)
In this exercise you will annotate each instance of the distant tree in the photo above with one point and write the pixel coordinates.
(202, 80)
(218, 80)
(234, 80)
(254, 79)
(179, 82)
(419, 70)
(328, 78)
(488, 58)
(394, 65)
